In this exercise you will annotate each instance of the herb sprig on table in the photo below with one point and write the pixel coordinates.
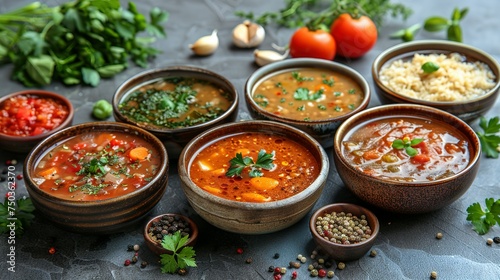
(239, 163)
(17, 213)
(182, 256)
(484, 219)
(490, 141)
(78, 42)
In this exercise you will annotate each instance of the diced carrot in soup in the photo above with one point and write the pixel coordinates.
(264, 183)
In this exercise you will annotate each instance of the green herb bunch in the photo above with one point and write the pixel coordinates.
(182, 256)
(484, 219)
(78, 42)
(490, 141)
(18, 212)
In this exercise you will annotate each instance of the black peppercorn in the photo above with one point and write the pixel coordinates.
(271, 268)
(276, 256)
(130, 247)
(182, 272)
(144, 264)
(496, 239)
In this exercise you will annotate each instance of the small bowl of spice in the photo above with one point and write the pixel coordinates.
(167, 224)
(344, 231)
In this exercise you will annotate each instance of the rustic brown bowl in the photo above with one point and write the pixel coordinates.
(156, 247)
(103, 216)
(345, 252)
(23, 144)
(321, 130)
(175, 139)
(465, 110)
(248, 217)
(407, 197)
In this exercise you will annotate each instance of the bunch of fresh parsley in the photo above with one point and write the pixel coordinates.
(78, 42)
(17, 213)
(182, 256)
(489, 139)
(484, 219)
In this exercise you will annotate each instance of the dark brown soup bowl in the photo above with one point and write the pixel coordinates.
(178, 222)
(105, 216)
(402, 196)
(23, 144)
(467, 110)
(252, 217)
(174, 139)
(341, 251)
(322, 130)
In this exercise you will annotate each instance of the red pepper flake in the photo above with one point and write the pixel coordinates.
(278, 93)
(239, 251)
(52, 250)
(19, 176)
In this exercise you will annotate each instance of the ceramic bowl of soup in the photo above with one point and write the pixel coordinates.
(344, 231)
(454, 77)
(176, 103)
(314, 95)
(253, 177)
(97, 177)
(29, 116)
(407, 158)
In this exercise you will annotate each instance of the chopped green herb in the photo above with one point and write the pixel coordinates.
(351, 106)
(338, 108)
(301, 108)
(337, 93)
(282, 100)
(322, 107)
(296, 75)
(351, 91)
(303, 94)
(330, 82)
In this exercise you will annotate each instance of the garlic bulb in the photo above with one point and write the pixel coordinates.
(263, 57)
(248, 34)
(206, 45)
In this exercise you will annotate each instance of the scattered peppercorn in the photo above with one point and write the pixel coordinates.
(489, 241)
(341, 265)
(439, 235)
(5, 170)
(19, 176)
(168, 225)
(283, 270)
(277, 276)
(294, 264)
(303, 260)
(276, 256)
(134, 259)
(8, 162)
(248, 260)
(271, 268)
(299, 256)
(52, 250)
(330, 274)
(314, 273)
(310, 267)
(321, 273)
(294, 275)
(373, 253)
(136, 247)
(130, 247)
(496, 239)
(182, 271)
(434, 275)
(144, 264)
(239, 251)
(277, 270)
(13, 161)
(2, 178)
(127, 262)
(328, 264)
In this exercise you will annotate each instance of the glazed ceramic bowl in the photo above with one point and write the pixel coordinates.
(327, 241)
(322, 130)
(401, 195)
(23, 144)
(100, 216)
(469, 109)
(175, 138)
(169, 223)
(252, 217)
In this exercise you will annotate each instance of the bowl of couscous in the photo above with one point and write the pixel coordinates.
(458, 78)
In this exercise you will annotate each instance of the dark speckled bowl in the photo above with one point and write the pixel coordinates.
(100, 216)
(466, 110)
(407, 197)
(321, 130)
(345, 252)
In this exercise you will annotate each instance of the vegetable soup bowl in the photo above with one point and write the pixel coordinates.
(97, 177)
(253, 177)
(29, 116)
(314, 95)
(333, 214)
(176, 103)
(466, 82)
(406, 158)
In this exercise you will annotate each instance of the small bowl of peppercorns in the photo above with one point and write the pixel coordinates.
(344, 231)
(168, 224)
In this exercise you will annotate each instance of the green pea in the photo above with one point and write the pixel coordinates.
(430, 67)
(102, 109)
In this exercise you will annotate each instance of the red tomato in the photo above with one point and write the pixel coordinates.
(312, 43)
(354, 37)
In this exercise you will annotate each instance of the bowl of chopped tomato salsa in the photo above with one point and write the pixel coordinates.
(97, 177)
(407, 158)
(27, 117)
(267, 175)
(176, 103)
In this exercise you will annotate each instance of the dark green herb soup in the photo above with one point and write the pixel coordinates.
(176, 102)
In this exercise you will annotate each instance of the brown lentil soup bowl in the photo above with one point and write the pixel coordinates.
(23, 144)
(467, 109)
(92, 213)
(322, 128)
(432, 178)
(344, 252)
(174, 138)
(248, 216)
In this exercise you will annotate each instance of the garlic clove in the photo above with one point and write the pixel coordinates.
(206, 45)
(248, 34)
(264, 57)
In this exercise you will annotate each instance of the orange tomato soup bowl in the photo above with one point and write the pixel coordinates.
(97, 177)
(249, 202)
(406, 158)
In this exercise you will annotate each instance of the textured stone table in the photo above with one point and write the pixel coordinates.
(407, 247)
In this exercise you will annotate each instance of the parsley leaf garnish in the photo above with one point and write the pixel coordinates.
(483, 220)
(296, 75)
(490, 142)
(407, 145)
(239, 163)
(20, 210)
(303, 94)
(182, 256)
